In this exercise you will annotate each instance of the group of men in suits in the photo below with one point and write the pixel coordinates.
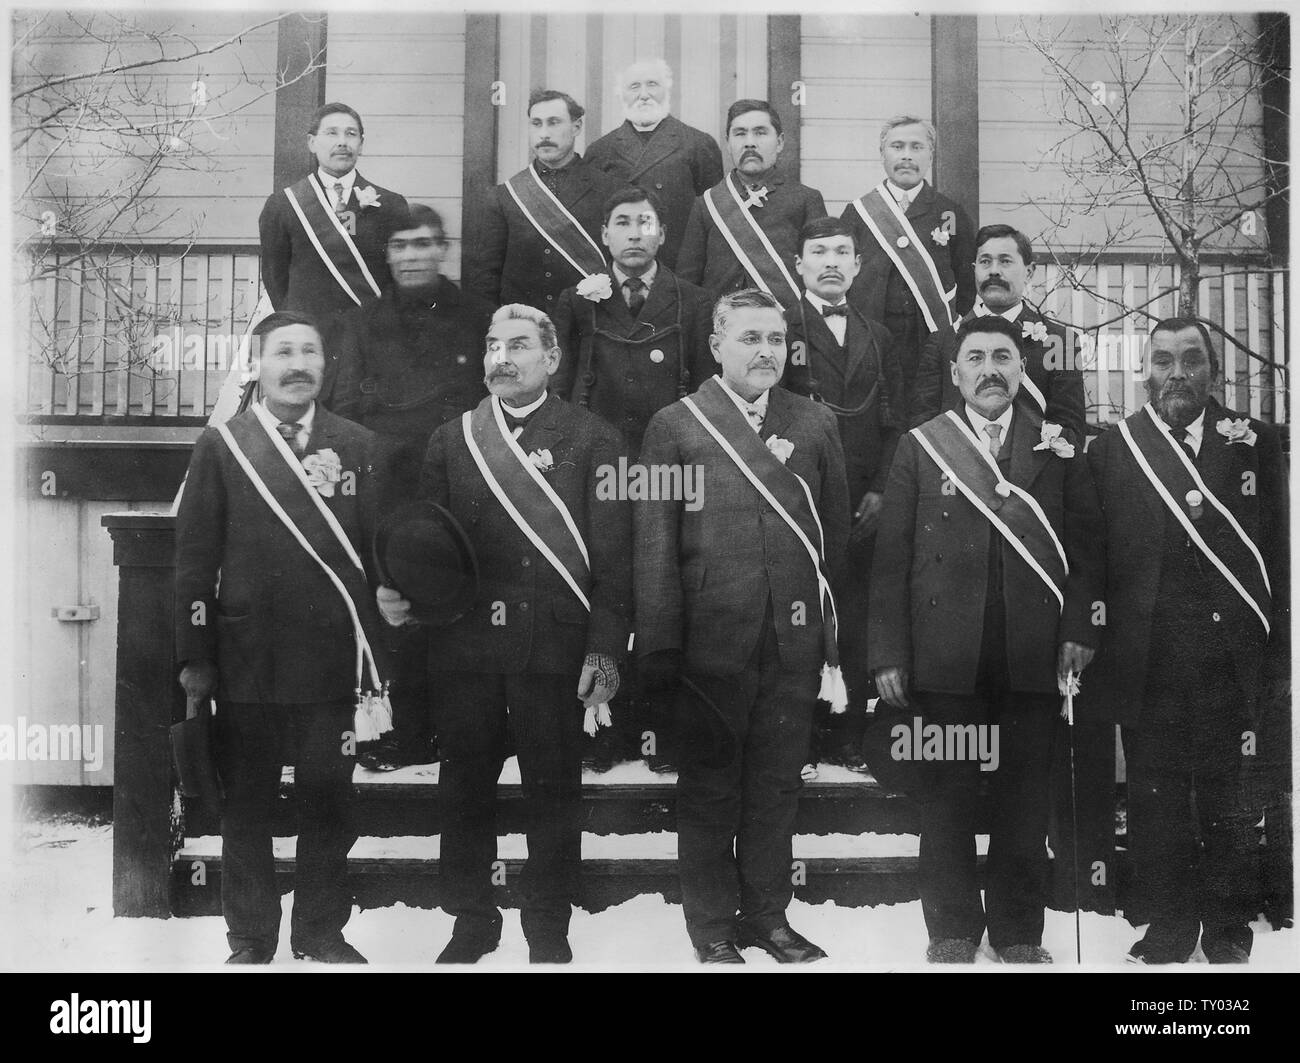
(958, 569)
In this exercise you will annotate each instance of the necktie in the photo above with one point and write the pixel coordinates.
(904, 201)
(635, 295)
(994, 431)
(290, 433)
(340, 205)
(836, 311)
(515, 424)
(755, 416)
(1188, 448)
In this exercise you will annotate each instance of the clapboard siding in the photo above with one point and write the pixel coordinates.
(1021, 155)
(859, 70)
(716, 59)
(215, 199)
(405, 74)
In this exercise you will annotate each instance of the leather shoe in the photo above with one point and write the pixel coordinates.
(1231, 946)
(1145, 952)
(1024, 954)
(251, 954)
(786, 945)
(951, 950)
(468, 948)
(335, 950)
(550, 950)
(718, 952)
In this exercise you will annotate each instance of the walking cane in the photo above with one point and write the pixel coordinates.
(1071, 687)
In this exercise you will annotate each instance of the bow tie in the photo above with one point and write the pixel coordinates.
(836, 311)
(514, 421)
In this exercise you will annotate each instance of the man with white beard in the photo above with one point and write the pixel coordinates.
(656, 151)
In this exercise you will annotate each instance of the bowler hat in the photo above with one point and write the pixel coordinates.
(879, 745)
(423, 552)
(196, 768)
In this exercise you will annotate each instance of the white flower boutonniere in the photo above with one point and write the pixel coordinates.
(781, 448)
(597, 287)
(542, 459)
(940, 236)
(367, 197)
(1034, 330)
(323, 471)
(1052, 440)
(1238, 431)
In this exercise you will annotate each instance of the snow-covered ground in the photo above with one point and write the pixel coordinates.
(56, 915)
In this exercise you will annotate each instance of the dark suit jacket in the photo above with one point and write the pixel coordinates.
(706, 258)
(406, 367)
(677, 163)
(929, 576)
(294, 275)
(704, 577)
(545, 629)
(1045, 363)
(511, 262)
(955, 262)
(277, 629)
(864, 371)
(607, 363)
(1135, 543)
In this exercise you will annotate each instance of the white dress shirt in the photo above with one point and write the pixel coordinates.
(647, 278)
(524, 411)
(900, 193)
(304, 422)
(839, 325)
(329, 181)
(979, 422)
(749, 409)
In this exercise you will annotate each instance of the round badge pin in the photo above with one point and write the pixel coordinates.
(656, 355)
(1194, 499)
(902, 241)
(1003, 488)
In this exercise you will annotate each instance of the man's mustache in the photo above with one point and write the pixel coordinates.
(749, 154)
(499, 373)
(991, 383)
(296, 378)
(992, 282)
(830, 274)
(763, 363)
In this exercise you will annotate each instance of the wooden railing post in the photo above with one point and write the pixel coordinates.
(148, 700)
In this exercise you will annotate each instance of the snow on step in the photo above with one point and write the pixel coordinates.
(632, 773)
(658, 846)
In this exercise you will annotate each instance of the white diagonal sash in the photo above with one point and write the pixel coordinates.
(495, 486)
(344, 234)
(1186, 522)
(915, 242)
(746, 262)
(364, 653)
(545, 233)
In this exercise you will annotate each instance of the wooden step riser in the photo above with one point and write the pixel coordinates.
(604, 883)
(384, 815)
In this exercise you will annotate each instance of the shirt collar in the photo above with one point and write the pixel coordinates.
(305, 421)
(648, 277)
(518, 412)
(759, 404)
(819, 304)
(1196, 429)
(980, 309)
(910, 193)
(329, 181)
(978, 421)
